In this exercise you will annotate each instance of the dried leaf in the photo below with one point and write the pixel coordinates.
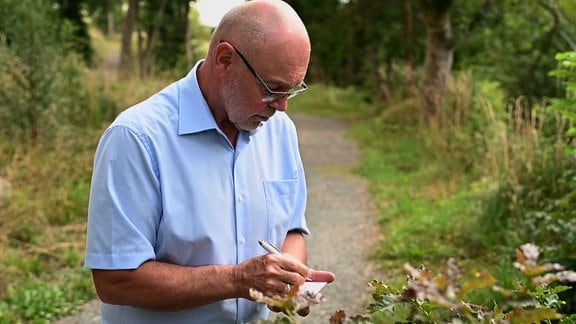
(338, 318)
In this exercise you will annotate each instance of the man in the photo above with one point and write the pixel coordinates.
(187, 182)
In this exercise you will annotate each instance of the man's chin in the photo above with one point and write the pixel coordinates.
(250, 126)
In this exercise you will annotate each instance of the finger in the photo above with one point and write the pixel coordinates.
(280, 289)
(323, 276)
(289, 263)
(287, 268)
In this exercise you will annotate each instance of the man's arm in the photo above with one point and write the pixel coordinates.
(295, 245)
(167, 287)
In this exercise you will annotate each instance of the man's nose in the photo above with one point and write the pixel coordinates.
(280, 104)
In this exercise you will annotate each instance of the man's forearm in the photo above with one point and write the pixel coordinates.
(295, 245)
(166, 287)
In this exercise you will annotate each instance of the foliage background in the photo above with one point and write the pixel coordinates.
(499, 173)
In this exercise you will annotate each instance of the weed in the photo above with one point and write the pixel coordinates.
(41, 302)
(452, 296)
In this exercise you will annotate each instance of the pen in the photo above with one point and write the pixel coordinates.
(274, 250)
(269, 247)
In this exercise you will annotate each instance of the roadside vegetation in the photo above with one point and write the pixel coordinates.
(475, 191)
(498, 171)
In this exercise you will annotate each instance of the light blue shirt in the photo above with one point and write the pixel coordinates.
(167, 185)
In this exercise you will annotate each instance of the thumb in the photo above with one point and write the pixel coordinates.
(323, 276)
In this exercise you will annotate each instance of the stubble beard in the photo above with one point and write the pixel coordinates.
(236, 110)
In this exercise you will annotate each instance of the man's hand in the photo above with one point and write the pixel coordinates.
(271, 274)
(316, 275)
(322, 276)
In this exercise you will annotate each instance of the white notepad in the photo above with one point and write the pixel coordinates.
(312, 286)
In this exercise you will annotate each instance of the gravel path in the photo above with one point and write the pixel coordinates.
(340, 216)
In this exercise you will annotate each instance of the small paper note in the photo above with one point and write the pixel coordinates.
(311, 286)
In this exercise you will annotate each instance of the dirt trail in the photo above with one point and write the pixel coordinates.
(340, 216)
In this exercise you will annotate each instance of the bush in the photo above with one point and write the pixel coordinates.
(449, 297)
(42, 85)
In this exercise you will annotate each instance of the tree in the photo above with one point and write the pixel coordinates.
(40, 83)
(439, 58)
(130, 22)
(71, 12)
(104, 14)
(162, 29)
(361, 43)
(156, 12)
(513, 42)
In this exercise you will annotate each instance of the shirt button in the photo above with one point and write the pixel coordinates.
(242, 240)
(241, 198)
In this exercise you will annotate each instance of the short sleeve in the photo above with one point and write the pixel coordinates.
(125, 203)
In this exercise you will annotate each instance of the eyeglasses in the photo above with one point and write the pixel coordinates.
(272, 96)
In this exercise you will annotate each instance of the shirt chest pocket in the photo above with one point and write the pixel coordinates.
(280, 206)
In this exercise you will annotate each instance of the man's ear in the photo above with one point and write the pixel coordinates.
(223, 60)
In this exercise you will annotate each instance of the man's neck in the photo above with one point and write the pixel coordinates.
(230, 130)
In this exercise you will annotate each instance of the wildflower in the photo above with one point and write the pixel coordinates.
(293, 302)
(531, 253)
(563, 276)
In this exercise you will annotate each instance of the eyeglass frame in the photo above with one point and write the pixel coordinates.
(271, 95)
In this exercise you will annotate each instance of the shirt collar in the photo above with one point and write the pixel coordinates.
(195, 115)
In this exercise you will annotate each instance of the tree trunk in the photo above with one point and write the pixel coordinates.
(154, 36)
(129, 23)
(110, 23)
(408, 32)
(188, 39)
(438, 60)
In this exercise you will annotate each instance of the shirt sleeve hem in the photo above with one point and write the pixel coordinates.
(116, 262)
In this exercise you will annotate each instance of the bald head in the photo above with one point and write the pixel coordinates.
(259, 48)
(261, 24)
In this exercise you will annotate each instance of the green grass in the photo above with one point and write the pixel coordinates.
(322, 100)
(426, 211)
(39, 301)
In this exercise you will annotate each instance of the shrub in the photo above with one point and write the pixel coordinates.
(42, 84)
(448, 297)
